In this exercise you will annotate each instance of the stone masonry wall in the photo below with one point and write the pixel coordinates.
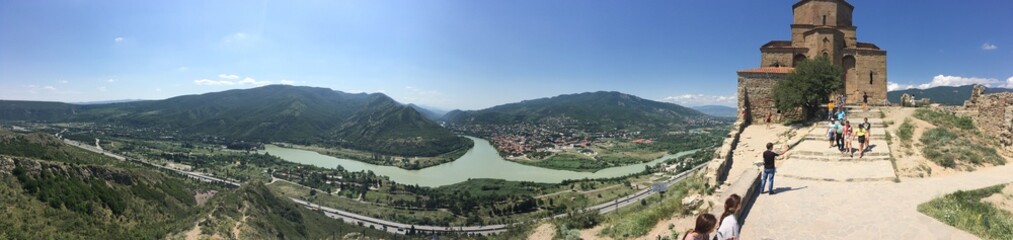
(777, 58)
(993, 115)
(756, 96)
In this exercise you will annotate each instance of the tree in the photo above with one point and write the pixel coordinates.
(808, 86)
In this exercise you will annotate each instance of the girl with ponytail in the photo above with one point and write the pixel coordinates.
(729, 225)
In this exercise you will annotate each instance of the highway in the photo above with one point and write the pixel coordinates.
(395, 227)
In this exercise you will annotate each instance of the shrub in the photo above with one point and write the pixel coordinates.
(808, 86)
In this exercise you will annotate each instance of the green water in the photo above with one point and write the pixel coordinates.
(482, 161)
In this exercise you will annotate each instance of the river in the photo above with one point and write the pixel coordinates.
(482, 161)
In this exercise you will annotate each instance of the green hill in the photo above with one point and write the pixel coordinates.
(276, 113)
(943, 95)
(55, 191)
(36, 111)
(254, 212)
(596, 110)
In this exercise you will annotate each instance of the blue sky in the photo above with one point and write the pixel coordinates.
(463, 54)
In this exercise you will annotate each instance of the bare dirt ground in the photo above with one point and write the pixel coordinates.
(194, 233)
(682, 223)
(203, 197)
(545, 231)
(1002, 200)
(593, 233)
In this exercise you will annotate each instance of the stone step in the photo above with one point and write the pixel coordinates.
(834, 153)
(838, 171)
(841, 158)
(814, 137)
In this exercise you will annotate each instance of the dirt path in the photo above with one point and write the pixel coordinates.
(236, 232)
(194, 233)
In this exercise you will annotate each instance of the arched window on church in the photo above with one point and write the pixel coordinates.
(872, 76)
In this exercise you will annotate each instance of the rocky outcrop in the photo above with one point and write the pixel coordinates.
(37, 167)
(976, 93)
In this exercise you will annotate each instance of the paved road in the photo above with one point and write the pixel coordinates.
(195, 175)
(395, 227)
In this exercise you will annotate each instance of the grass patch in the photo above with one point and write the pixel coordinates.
(949, 149)
(906, 131)
(966, 211)
(943, 119)
(638, 220)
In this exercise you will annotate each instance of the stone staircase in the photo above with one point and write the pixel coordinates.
(813, 159)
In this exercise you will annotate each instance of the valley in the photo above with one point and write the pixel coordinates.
(475, 186)
(589, 131)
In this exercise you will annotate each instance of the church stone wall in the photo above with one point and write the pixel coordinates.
(812, 13)
(868, 62)
(756, 95)
(780, 58)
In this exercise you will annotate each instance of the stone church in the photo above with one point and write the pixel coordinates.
(820, 28)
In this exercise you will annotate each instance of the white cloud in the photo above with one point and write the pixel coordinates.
(118, 39)
(64, 82)
(228, 76)
(208, 82)
(182, 68)
(158, 89)
(101, 89)
(252, 81)
(50, 88)
(1009, 82)
(892, 86)
(943, 80)
(701, 99)
(989, 46)
(287, 82)
(111, 80)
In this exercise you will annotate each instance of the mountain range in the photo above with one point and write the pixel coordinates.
(718, 110)
(944, 95)
(275, 113)
(600, 111)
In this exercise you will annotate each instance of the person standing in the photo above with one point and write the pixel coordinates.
(862, 134)
(841, 116)
(839, 135)
(865, 101)
(704, 226)
(728, 227)
(843, 101)
(868, 128)
(768, 120)
(848, 136)
(831, 129)
(830, 110)
(769, 168)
